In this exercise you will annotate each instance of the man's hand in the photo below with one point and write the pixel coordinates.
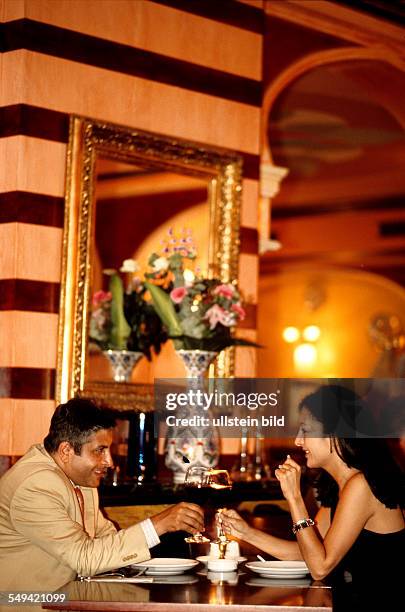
(181, 517)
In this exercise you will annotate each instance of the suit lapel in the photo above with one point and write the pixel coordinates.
(89, 512)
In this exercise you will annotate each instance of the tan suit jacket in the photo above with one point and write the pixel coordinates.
(43, 543)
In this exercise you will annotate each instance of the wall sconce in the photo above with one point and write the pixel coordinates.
(311, 333)
(291, 334)
(306, 353)
(305, 356)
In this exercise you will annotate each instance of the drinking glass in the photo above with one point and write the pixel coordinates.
(220, 482)
(197, 491)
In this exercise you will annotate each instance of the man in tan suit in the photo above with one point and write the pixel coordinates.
(51, 528)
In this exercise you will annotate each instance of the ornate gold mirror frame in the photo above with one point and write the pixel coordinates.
(89, 139)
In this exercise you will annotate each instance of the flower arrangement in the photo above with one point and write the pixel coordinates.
(123, 319)
(197, 312)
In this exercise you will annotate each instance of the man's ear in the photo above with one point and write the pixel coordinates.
(65, 451)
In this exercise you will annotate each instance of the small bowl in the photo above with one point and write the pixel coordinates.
(222, 565)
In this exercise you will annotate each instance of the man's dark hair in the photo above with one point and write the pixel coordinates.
(75, 422)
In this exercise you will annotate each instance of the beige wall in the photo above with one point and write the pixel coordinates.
(36, 165)
(349, 301)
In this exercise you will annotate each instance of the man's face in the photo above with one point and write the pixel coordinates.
(88, 468)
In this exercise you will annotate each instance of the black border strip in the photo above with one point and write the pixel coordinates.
(27, 120)
(230, 12)
(29, 295)
(34, 208)
(27, 383)
(249, 241)
(37, 209)
(94, 51)
(250, 320)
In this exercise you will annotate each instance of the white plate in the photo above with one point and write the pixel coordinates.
(284, 576)
(204, 559)
(279, 569)
(292, 582)
(166, 566)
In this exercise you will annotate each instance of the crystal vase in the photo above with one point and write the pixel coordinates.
(188, 446)
(122, 363)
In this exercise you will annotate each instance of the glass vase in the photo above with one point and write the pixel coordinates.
(192, 446)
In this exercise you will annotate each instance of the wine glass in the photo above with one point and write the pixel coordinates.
(220, 482)
(197, 491)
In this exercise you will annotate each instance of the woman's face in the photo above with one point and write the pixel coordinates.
(310, 438)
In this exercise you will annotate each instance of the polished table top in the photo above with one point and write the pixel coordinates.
(197, 592)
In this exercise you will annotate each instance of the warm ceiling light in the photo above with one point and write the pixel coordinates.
(305, 355)
(291, 334)
(311, 333)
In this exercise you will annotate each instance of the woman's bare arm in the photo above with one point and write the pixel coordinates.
(277, 547)
(355, 507)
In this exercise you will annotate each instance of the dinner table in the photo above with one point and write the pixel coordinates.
(199, 590)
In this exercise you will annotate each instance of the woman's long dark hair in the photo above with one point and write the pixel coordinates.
(334, 404)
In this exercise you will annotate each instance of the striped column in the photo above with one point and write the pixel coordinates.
(149, 65)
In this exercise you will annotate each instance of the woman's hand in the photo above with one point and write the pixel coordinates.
(234, 525)
(289, 475)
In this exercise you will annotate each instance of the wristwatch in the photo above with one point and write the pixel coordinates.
(302, 524)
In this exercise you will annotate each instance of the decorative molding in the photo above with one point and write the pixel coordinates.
(340, 21)
(348, 258)
(120, 396)
(270, 180)
(391, 11)
(220, 167)
(230, 12)
(94, 51)
(314, 60)
(338, 206)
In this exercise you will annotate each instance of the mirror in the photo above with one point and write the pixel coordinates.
(125, 189)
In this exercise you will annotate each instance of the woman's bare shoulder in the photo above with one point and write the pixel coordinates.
(357, 487)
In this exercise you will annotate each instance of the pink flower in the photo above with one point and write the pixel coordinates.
(178, 294)
(237, 308)
(216, 314)
(224, 290)
(101, 296)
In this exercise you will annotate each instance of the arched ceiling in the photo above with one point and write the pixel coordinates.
(339, 129)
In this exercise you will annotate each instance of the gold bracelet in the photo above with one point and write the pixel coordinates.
(302, 524)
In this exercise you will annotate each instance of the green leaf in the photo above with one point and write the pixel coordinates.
(214, 343)
(120, 330)
(165, 309)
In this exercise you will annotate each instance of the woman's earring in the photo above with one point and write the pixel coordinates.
(330, 445)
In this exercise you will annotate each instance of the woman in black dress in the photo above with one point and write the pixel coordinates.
(358, 534)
